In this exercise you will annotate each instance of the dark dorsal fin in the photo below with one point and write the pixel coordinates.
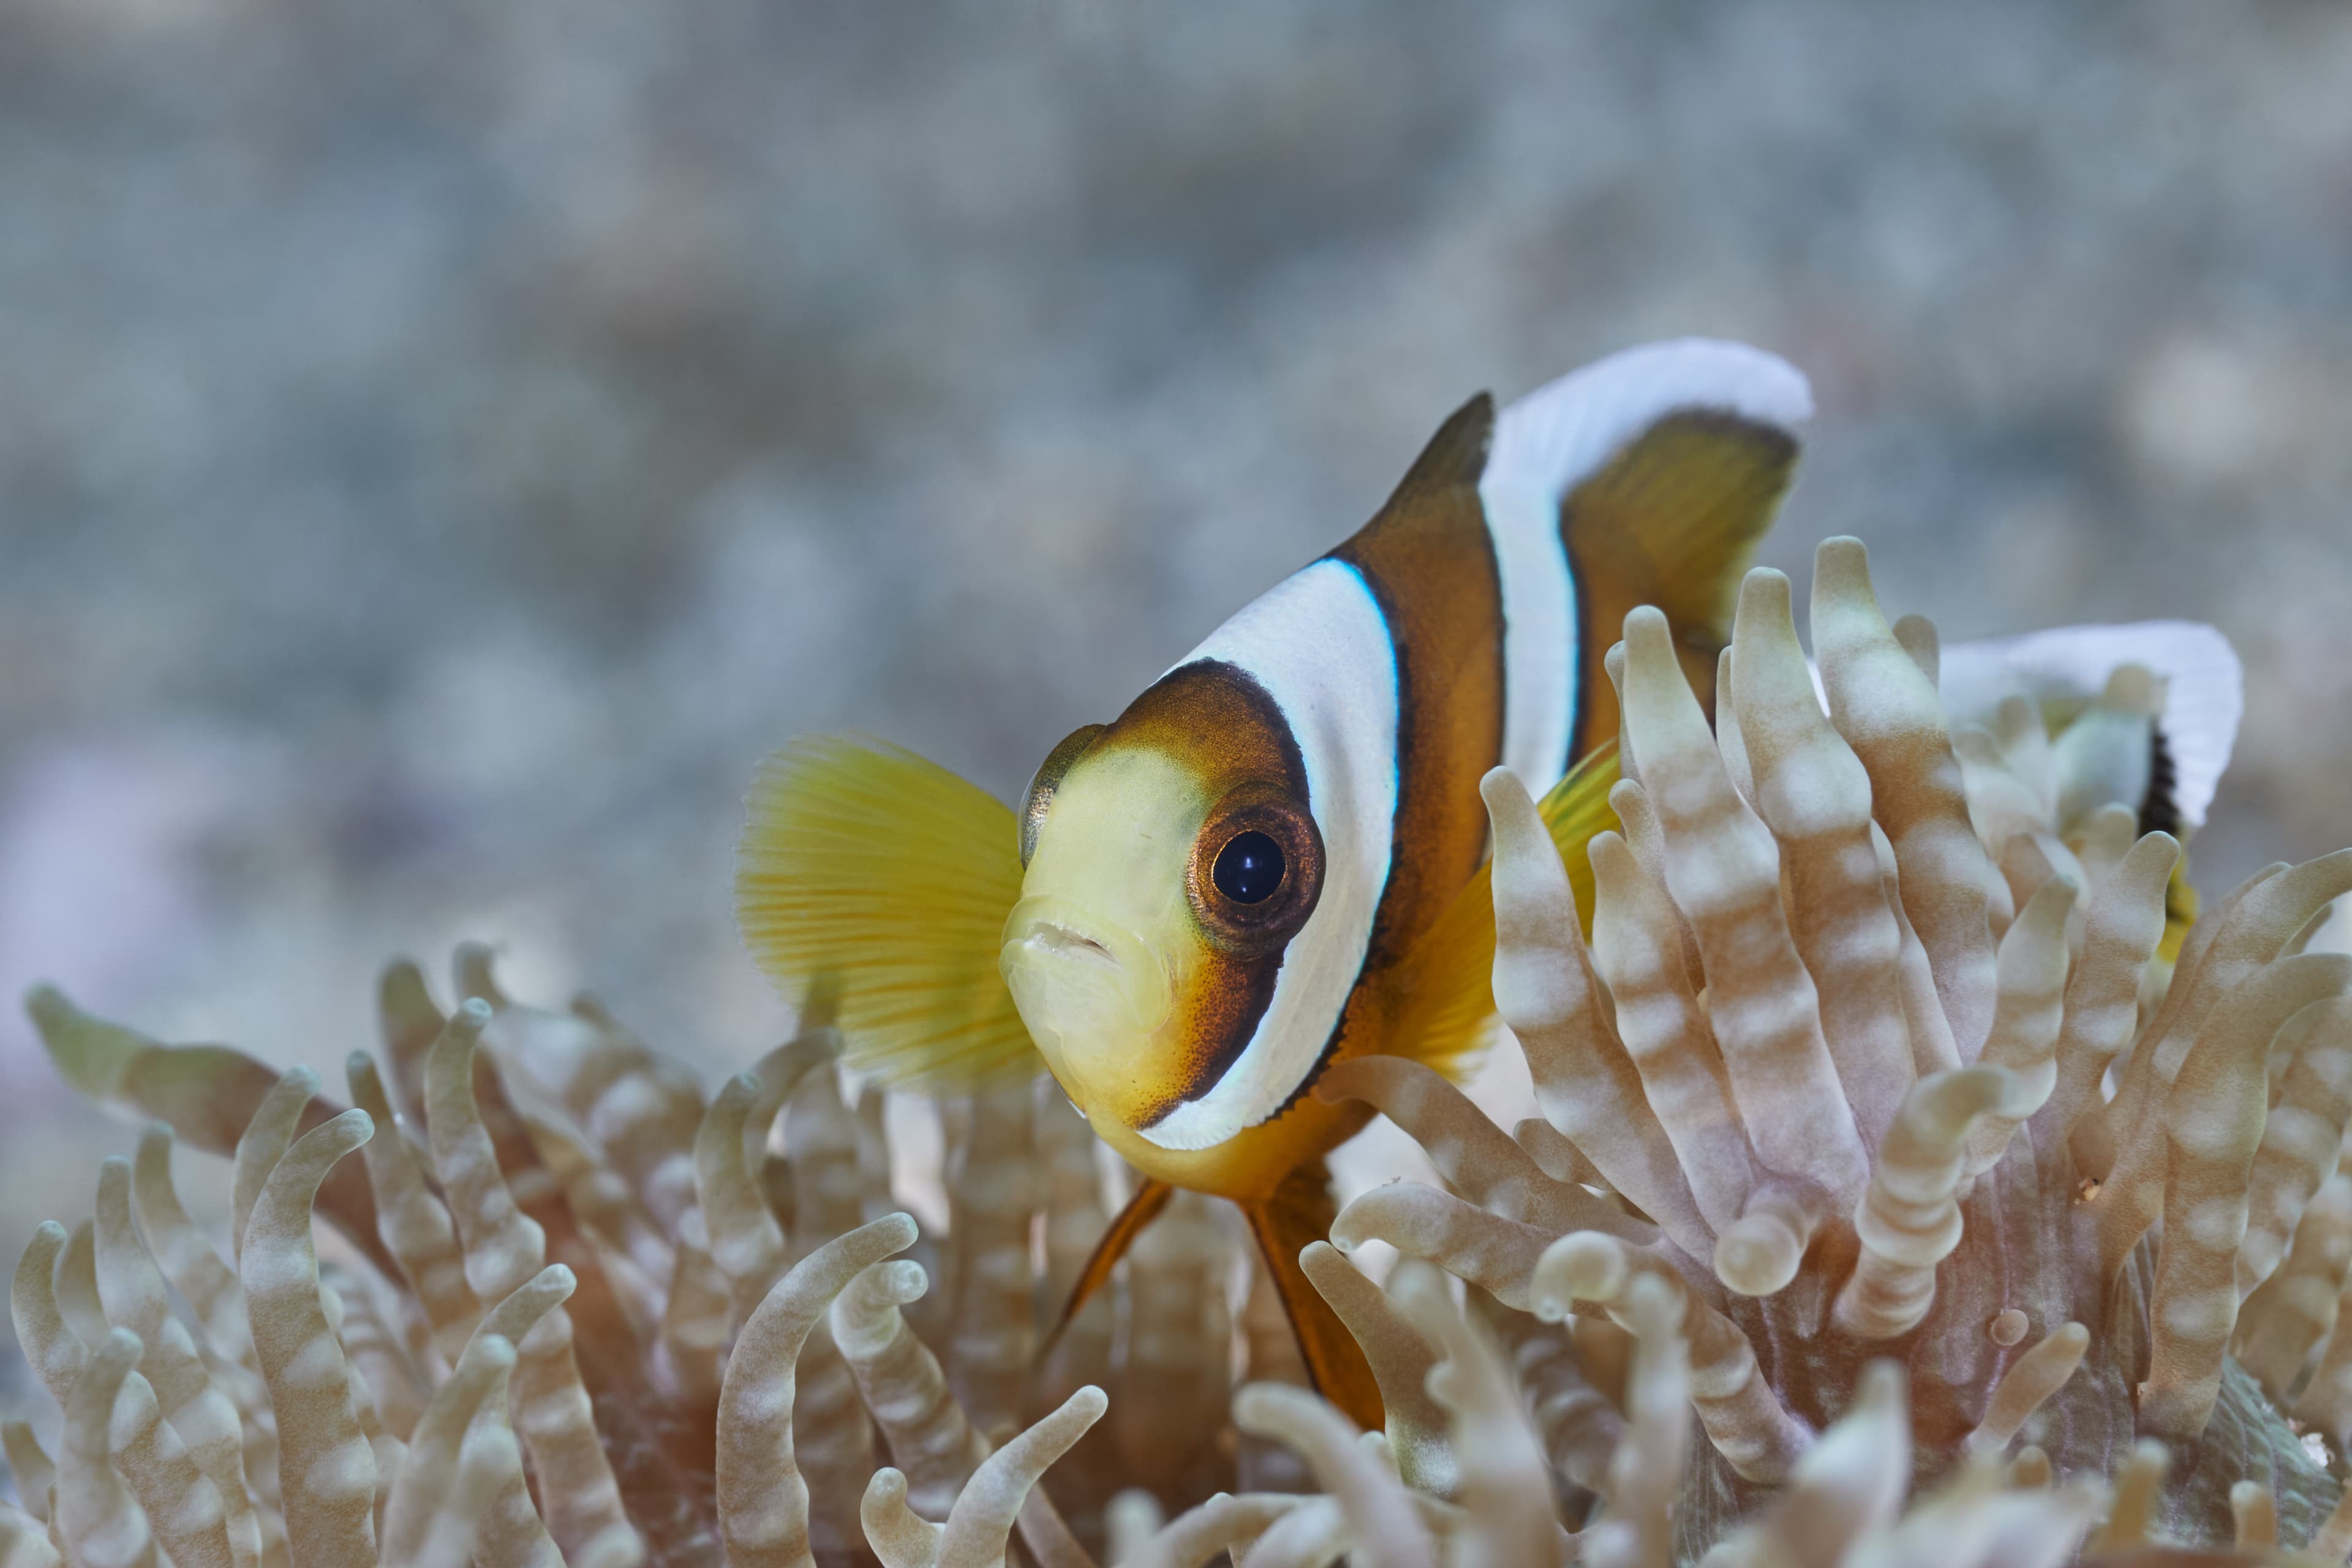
(1456, 455)
(1672, 519)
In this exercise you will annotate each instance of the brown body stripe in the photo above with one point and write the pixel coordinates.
(1429, 561)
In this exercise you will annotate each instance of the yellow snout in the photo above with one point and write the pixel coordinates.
(1095, 998)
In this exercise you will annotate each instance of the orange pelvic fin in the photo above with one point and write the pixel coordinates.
(1141, 1210)
(1301, 1211)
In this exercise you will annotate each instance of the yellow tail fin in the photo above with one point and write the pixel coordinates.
(1673, 521)
(1445, 997)
(865, 867)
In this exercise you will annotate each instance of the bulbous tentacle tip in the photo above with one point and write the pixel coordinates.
(1765, 601)
(89, 1053)
(1841, 560)
(474, 964)
(1498, 784)
(44, 1004)
(1583, 1267)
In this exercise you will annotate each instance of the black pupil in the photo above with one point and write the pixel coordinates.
(1249, 869)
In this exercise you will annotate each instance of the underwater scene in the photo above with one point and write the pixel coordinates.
(1085, 786)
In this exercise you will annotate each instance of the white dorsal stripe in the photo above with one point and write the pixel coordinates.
(1545, 445)
(1320, 646)
(2204, 687)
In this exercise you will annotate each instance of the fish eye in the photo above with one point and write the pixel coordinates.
(1250, 868)
(1256, 870)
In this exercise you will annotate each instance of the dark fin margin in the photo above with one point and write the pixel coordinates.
(1456, 455)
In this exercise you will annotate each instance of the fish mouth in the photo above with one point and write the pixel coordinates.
(1092, 992)
(1058, 942)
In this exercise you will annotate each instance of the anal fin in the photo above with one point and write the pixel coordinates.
(1141, 1209)
(1301, 1211)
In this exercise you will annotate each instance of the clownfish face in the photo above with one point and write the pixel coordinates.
(1169, 864)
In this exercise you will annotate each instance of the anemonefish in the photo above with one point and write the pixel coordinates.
(2142, 714)
(1274, 858)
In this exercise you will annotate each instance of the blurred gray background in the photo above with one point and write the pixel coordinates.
(444, 443)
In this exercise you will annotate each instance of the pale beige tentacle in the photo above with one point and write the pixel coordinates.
(1637, 952)
(263, 1143)
(420, 1497)
(1744, 1418)
(1724, 870)
(504, 1249)
(899, 1535)
(414, 1226)
(762, 1500)
(2121, 929)
(1546, 990)
(1645, 1478)
(94, 1516)
(1813, 794)
(1849, 1486)
(2214, 1115)
(1909, 1220)
(900, 1383)
(2031, 1380)
(133, 1290)
(2301, 1135)
(1401, 1360)
(2298, 1306)
(1889, 713)
(1506, 1485)
(1382, 1525)
(981, 1525)
(23, 1542)
(1758, 1254)
(1495, 1254)
(1196, 1537)
(327, 1470)
(2028, 1008)
(29, 1466)
(2240, 936)
(188, 1260)
(1476, 1158)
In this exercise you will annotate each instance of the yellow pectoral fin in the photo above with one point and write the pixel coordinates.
(1575, 809)
(1445, 996)
(2180, 912)
(867, 870)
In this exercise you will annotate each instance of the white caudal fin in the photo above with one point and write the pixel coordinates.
(2202, 687)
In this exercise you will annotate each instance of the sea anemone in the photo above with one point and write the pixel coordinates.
(1839, 1041)
(1874, 1140)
